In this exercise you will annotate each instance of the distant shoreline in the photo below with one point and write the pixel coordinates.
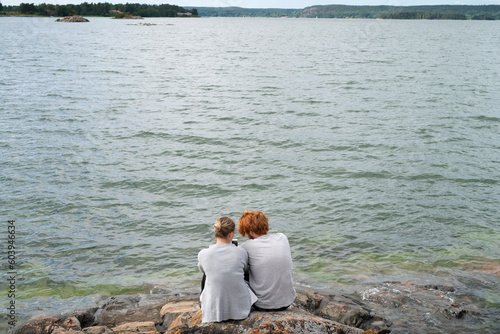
(338, 18)
(348, 11)
(428, 12)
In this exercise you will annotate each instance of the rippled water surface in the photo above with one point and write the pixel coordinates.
(374, 145)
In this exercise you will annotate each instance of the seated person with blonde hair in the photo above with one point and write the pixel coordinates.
(270, 263)
(226, 294)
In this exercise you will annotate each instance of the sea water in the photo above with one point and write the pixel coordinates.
(374, 145)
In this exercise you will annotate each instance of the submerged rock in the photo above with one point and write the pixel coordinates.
(408, 296)
(425, 307)
(122, 309)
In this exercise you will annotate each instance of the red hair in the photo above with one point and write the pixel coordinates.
(253, 221)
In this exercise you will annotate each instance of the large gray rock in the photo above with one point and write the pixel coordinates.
(45, 325)
(341, 309)
(121, 309)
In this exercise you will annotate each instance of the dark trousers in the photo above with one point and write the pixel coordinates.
(203, 282)
(270, 309)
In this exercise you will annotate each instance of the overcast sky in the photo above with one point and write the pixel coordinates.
(269, 3)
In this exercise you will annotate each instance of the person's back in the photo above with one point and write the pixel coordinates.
(226, 294)
(270, 262)
(270, 270)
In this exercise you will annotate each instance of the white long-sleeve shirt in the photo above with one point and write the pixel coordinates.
(226, 294)
(271, 270)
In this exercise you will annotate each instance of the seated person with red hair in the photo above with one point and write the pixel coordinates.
(270, 263)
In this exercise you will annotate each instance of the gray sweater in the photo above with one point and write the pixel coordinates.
(226, 294)
(271, 270)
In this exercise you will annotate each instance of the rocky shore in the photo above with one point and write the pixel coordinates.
(392, 306)
(150, 314)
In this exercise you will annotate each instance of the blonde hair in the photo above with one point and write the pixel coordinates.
(253, 221)
(223, 226)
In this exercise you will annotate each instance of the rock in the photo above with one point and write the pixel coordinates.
(180, 306)
(404, 295)
(146, 327)
(135, 308)
(180, 312)
(493, 268)
(307, 300)
(454, 311)
(186, 320)
(74, 18)
(341, 309)
(97, 330)
(310, 313)
(432, 302)
(293, 321)
(45, 325)
(86, 318)
(72, 323)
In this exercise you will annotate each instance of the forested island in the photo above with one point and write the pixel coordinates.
(99, 9)
(437, 12)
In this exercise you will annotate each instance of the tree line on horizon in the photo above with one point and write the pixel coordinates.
(97, 9)
(434, 16)
(436, 12)
(430, 12)
(443, 12)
